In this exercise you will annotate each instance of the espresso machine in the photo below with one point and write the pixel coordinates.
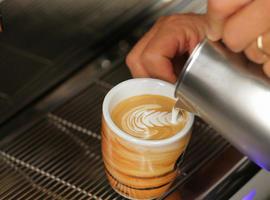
(58, 61)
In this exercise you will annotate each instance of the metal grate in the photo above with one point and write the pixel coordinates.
(85, 109)
(117, 75)
(51, 162)
(60, 157)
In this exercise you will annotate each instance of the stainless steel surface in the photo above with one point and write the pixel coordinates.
(219, 178)
(256, 189)
(231, 95)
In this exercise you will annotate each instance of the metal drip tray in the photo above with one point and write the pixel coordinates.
(60, 156)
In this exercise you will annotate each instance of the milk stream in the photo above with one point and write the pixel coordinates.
(175, 115)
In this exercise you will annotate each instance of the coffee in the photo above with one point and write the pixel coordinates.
(148, 117)
(140, 142)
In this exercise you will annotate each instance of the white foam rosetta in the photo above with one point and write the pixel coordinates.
(140, 119)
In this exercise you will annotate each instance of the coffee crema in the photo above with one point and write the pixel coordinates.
(148, 117)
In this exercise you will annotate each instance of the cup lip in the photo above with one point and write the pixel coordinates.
(106, 114)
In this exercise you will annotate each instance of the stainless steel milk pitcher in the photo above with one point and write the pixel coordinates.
(232, 95)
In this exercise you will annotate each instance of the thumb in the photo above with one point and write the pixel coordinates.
(217, 13)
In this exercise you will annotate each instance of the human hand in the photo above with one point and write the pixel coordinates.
(170, 37)
(239, 23)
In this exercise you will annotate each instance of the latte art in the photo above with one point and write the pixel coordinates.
(143, 138)
(147, 117)
(141, 120)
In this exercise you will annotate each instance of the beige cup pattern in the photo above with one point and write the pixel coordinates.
(138, 171)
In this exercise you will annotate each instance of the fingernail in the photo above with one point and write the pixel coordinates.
(211, 35)
(214, 30)
(266, 69)
(263, 59)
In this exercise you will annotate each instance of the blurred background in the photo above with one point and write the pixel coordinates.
(44, 41)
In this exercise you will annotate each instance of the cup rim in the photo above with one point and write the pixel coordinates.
(106, 114)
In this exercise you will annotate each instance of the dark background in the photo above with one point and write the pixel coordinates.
(46, 40)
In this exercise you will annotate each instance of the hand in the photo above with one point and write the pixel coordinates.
(239, 23)
(170, 37)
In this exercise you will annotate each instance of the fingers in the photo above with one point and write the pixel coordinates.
(157, 58)
(255, 54)
(261, 56)
(217, 13)
(266, 49)
(174, 35)
(181, 36)
(266, 68)
(133, 59)
(241, 29)
(266, 42)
